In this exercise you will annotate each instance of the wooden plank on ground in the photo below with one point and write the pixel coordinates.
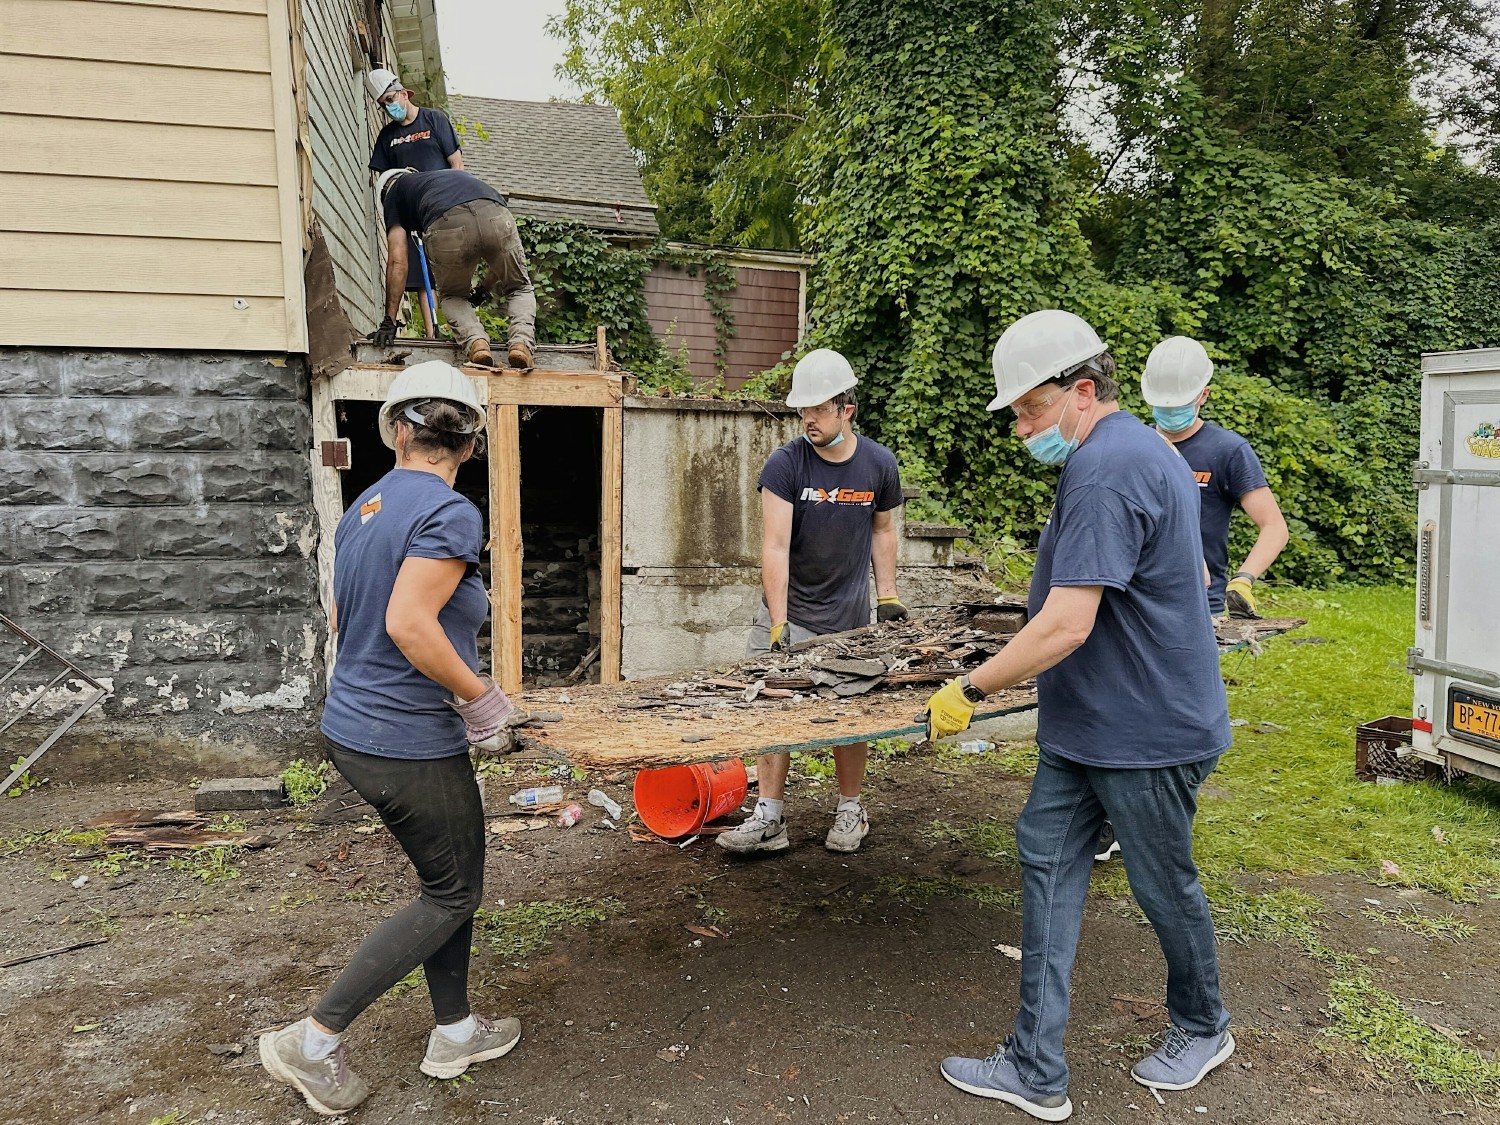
(505, 546)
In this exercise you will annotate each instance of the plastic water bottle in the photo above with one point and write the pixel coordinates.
(599, 798)
(537, 795)
(976, 746)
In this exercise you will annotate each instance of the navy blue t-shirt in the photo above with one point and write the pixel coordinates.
(425, 144)
(377, 702)
(418, 200)
(1144, 690)
(1226, 468)
(833, 510)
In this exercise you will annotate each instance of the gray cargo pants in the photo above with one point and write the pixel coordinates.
(464, 236)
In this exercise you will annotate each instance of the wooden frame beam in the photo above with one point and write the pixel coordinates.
(369, 383)
(505, 545)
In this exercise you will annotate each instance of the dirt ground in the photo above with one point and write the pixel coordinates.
(832, 999)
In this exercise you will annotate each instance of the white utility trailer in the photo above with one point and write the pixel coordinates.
(1456, 657)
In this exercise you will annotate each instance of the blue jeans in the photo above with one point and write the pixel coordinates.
(1152, 811)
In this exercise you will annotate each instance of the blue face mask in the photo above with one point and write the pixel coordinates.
(1050, 447)
(396, 111)
(830, 445)
(1173, 419)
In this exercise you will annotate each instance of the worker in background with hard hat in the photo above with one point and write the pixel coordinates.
(1132, 715)
(1175, 385)
(405, 701)
(463, 222)
(417, 137)
(827, 499)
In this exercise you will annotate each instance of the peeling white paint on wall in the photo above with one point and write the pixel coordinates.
(57, 701)
(290, 696)
(93, 645)
(289, 525)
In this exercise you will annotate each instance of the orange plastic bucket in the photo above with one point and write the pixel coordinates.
(679, 800)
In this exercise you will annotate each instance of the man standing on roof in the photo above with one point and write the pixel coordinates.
(1132, 715)
(463, 221)
(412, 137)
(1228, 472)
(826, 504)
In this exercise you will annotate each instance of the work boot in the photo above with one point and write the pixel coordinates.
(758, 834)
(996, 1077)
(520, 356)
(329, 1086)
(479, 352)
(491, 1039)
(850, 824)
(1182, 1061)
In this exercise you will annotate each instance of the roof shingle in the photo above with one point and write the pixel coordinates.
(558, 161)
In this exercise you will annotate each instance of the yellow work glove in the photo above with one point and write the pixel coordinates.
(1239, 598)
(948, 711)
(780, 641)
(890, 609)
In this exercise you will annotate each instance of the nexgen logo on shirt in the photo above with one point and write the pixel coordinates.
(369, 508)
(1203, 479)
(424, 135)
(838, 496)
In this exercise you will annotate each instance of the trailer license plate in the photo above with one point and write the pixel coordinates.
(1474, 717)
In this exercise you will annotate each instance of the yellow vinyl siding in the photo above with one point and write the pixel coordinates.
(163, 209)
(151, 184)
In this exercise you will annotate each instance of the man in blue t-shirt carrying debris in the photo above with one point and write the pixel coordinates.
(1228, 473)
(1132, 715)
(827, 500)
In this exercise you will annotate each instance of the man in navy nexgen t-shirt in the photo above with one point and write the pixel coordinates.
(1132, 711)
(826, 501)
(420, 138)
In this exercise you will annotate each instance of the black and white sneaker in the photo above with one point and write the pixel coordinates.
(1107, 845)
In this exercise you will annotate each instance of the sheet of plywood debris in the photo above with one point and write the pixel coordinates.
(850, 687)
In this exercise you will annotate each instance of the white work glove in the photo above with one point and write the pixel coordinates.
(485, 715)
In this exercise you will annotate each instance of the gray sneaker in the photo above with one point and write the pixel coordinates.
(996, 1077)
(1182, 1061)
(447, 1059)
(329, 1086)
(756, 835)
(850, 824)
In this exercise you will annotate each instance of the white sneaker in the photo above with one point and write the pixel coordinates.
(756, 835)
(850, 825)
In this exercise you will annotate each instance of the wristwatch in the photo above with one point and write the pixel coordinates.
(971, 693)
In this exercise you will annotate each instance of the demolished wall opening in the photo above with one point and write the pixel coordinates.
(560, 513)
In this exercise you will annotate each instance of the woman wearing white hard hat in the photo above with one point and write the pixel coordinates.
(1176, 386)
(404, 702)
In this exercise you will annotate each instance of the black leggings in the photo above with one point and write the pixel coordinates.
(433, 809)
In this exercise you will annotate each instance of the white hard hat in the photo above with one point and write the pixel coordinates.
(379, 81)
(1177, 370)
(432, 379)
(1040, 346)
(818, 376)
(383, 180)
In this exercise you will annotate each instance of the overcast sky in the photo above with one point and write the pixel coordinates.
(501, 49)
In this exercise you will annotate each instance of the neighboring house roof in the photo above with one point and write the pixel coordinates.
(556, 160)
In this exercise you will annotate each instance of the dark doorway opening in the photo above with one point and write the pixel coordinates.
(560, 496)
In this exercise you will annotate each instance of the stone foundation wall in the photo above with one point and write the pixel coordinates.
(156, 527)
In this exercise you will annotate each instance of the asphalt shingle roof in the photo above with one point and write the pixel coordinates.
(573, 156)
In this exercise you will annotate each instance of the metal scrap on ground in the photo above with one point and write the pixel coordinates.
(849, 687)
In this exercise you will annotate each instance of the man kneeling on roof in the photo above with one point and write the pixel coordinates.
(463, 221)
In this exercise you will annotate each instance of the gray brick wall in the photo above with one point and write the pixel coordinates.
(157, 527)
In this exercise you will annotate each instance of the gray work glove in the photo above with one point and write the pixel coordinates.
(485, 715)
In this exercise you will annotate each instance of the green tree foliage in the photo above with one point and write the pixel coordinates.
(716, 95)
(1300, 184)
